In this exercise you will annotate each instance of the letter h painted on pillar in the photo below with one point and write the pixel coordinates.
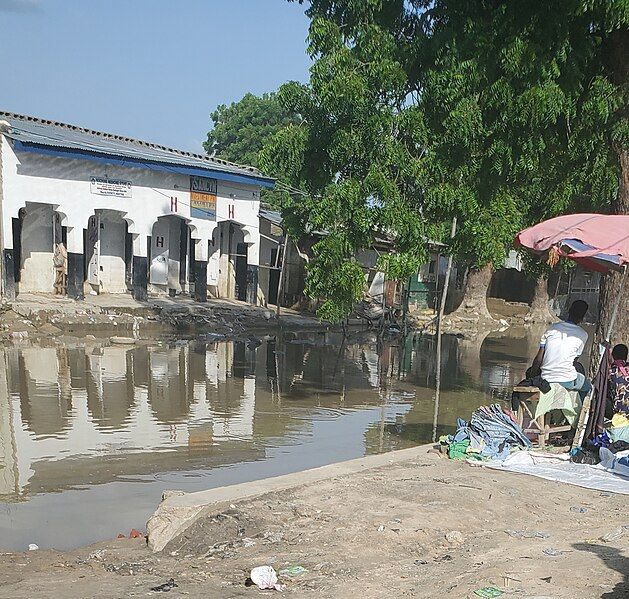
(173, 204)
(230, 211)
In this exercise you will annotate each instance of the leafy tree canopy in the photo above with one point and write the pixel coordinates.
(355, 161)
(241, 129)
(501, 113)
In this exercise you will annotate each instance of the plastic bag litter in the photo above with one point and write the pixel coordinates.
(613, 535)
(293, 571)
(527, 534)
(488, 592)
(265, 577)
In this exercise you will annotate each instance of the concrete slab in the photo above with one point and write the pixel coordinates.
(178, 510)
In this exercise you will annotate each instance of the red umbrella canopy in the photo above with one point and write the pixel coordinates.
(596, 241)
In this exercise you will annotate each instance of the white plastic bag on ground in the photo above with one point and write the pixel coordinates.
(265, 577)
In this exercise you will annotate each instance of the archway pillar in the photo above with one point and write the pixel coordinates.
(200, 268)
(252, 239)
(10, 267)
(76, 261)
(140, 267)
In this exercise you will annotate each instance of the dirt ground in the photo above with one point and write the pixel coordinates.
(427, 527)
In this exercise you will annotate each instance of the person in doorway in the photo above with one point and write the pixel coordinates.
(618, 389)
(60, 261)
(560, 347)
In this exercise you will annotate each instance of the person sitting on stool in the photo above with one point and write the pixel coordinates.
(559, 349)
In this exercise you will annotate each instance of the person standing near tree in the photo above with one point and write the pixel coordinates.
(559, 349)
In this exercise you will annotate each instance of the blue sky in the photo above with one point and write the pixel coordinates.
(151, 69)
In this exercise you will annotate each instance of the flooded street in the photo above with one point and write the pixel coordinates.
(90, 434)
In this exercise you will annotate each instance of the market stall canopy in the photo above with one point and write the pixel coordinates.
(595, 241)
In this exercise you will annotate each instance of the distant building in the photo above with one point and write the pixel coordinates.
(132, 216)
(422, 288)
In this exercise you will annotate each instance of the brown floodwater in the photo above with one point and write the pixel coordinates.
(90, 435)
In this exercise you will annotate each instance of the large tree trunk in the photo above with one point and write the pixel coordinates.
(539, 311)
(616, 63)
(610, 288)
(474, 304)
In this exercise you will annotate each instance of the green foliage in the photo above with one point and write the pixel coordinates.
(335, 279)
(499, 113)
(399, 267)
(241, 129)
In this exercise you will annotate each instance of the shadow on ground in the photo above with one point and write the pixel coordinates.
(614, 560)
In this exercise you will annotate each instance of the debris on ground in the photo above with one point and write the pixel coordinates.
(265, 577)
(578, 509)
(527, 534)
(166, 587)
(488, 592)
(33, 547)
(127, 568)
(613, 535)
(330, 527)
(293, 571)
(455, 537)
(553, 552)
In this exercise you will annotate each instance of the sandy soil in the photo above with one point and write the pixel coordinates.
(427, 527)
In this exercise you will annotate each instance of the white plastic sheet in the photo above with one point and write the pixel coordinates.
(561, 469)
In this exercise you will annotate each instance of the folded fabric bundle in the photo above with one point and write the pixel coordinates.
(492, 433)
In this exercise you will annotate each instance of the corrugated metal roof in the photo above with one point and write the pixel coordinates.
(272, 216)
(40, 132)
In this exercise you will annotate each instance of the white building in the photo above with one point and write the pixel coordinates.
(134, 216)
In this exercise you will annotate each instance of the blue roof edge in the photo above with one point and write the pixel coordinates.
(102, 157)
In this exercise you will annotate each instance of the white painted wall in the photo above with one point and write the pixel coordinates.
(65, 184)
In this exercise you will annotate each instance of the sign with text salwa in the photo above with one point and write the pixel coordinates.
(203, 197)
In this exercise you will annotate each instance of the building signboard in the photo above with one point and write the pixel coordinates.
(110, 187)
(203, 198)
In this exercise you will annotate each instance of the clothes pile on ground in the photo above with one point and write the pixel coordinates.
(491, 433)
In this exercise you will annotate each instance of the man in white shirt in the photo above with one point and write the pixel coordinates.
(559, 349)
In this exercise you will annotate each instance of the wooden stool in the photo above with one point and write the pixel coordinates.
(524, 404)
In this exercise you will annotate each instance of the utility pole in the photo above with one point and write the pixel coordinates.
(280, 283)
(442, 307)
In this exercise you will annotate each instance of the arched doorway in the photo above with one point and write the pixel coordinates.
(170, 255)
(232, 282)
(108, 252)
(39, 230)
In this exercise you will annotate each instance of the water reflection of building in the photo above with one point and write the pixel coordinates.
(9, 470)
(109, 385)
(73, 416)
(70, 413)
